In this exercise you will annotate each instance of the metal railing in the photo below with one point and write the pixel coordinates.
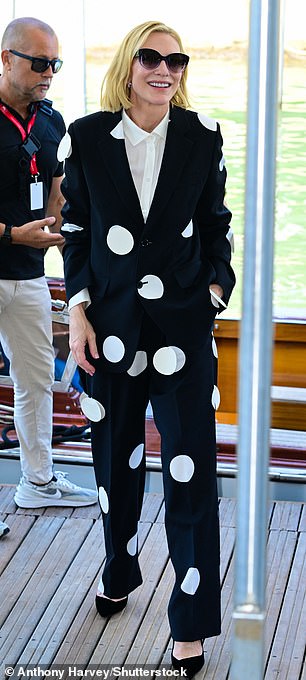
(256, 343)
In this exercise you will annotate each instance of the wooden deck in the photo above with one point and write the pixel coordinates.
(50, 564)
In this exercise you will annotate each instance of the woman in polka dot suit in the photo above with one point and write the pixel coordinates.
(147, 267)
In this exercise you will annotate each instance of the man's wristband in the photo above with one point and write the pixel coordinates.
(6, 238)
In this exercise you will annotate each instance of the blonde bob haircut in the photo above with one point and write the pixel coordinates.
(115, 91)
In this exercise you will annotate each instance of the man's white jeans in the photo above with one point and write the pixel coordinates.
(26, 337)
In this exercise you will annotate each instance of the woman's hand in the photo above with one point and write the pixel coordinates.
(216, 289)
(216, 293)
(81, 333)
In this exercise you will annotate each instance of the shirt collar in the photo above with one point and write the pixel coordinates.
(127, 128)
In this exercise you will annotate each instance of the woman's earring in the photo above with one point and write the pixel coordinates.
(129, 84)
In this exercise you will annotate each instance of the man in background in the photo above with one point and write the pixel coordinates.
(31, 171)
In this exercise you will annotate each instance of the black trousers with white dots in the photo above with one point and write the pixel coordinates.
(183, 404)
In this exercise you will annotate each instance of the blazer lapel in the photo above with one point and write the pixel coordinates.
(177, 150)
(116, 163)
(178, 147)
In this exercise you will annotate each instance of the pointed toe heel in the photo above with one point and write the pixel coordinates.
(107, 608)
(188, 667)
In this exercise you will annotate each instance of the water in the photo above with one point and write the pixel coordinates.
(218, 85)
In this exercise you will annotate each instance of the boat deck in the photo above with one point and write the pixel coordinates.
(50, 565)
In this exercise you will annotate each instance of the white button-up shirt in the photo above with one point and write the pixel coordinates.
(145, 152)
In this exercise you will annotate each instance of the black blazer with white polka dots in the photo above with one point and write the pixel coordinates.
(163, 266)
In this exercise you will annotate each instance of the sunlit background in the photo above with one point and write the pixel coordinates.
(216, 37)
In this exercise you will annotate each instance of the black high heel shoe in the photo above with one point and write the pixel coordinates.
(107, 608)
(190, 666)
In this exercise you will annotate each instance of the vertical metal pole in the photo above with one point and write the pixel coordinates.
(256, 343)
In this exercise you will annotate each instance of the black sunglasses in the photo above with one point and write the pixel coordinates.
(39, 65)
(150, 59)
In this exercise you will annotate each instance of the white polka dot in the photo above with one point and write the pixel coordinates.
(100, 586)
(222, 164)
(191, 581)
(139, 364)
(180, 357)
(71, 227)
(82, 396)
(215, 398)
(119, 240)
(64, 149)
(152, 287)
(209, 123)
(230, 238)
(103, 498)
(165, 361)
(188, 231)
(214, 347)
(132, 545)
(182, 468)
(136, 457)
(113, 348)
(92, 409)
(214, 302)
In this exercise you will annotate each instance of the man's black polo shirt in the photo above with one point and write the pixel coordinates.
(17, 261)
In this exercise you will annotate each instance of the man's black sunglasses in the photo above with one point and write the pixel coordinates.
(39, 65)
(150, 60)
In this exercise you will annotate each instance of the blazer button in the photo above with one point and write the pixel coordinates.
(139, 285)
(145, 242)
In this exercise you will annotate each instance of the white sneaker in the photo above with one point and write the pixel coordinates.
(58, 492)
(4, 529)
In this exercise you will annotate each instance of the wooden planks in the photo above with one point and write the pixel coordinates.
(50, 564)
(30, 589)
(288, 646)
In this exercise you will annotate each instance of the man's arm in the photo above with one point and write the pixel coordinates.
(32, 234)
(56, 202)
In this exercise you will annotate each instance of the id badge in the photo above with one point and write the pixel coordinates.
(36, 195)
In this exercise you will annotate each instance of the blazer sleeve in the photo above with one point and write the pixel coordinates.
(214, 218)
(76, 223)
